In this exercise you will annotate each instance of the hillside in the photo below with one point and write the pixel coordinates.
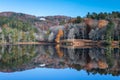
(40, 22)
(19, 27)
(25, 24)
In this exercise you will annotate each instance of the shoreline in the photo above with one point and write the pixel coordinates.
(27, 43)
(75, 43)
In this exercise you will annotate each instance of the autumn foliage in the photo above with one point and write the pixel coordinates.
(102, 23)
(59, 52)
(102, 64)
(88, 21)
(59, 35)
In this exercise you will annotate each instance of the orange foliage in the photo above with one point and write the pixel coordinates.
(60, 53)
(88, 21)
(5, 26)
(102, 65)
(102, 23)
(72, 20)
(89, 66)
(59, 35)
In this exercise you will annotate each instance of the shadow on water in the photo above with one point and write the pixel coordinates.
(94, 60)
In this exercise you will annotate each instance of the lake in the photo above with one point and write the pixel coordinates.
(52, 62)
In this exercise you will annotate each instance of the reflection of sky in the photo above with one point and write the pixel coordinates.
(54, 74)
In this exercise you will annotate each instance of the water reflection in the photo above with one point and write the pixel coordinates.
(93, 60)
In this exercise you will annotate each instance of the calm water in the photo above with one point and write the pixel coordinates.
(30, 62)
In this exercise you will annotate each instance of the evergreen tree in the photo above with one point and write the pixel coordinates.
(109, 32)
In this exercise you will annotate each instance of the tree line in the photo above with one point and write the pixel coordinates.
(14, 30)
(103, 15)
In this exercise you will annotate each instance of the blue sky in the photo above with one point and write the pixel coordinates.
(59, 7)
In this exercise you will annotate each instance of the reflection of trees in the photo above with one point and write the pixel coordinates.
(13, 57)
(93, 60)
(60, 53)
(109, 56)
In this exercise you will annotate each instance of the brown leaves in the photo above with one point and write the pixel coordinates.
(102, 64)
(88, 21)
(59, 52)
(102, 23)
(59, 35)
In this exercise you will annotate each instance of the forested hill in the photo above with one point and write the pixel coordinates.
(19, 27)
(40, 22)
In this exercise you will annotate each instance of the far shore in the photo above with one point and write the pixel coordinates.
(74, 43)
(27, 43)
